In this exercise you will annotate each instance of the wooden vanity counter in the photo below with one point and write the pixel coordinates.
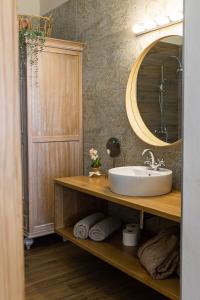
(76, 197)
(167, 206)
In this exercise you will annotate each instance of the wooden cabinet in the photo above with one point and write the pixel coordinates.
(51, 108)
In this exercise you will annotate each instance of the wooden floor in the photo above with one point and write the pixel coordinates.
(59, 271)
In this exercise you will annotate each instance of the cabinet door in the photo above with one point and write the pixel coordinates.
(55, 131)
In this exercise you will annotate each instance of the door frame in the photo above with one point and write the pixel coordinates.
(11, 222)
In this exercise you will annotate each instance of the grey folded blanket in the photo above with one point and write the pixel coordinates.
(160, 255)
(104, 228)
(81, 229)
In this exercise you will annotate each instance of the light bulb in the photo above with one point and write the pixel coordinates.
(162, 20)
(137, 28)
(149, 24)
(176, 16)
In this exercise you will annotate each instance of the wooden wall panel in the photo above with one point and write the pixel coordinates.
(11, 249)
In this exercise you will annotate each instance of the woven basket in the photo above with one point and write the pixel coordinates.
(36, 23)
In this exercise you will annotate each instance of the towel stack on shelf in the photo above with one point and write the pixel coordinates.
(97, 227)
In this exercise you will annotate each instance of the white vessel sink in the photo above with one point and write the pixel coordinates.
(139, 181)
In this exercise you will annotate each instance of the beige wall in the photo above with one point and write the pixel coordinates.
(28, 7)
(37, 7)
(47, 5)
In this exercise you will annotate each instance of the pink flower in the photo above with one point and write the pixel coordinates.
(93, 152)
(96, 161)
(24, 23)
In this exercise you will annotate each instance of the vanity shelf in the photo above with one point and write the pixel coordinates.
(75, 197)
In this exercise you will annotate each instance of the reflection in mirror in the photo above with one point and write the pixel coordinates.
(159, 89)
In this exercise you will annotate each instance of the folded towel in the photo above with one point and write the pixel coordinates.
(160, 255)
(81, 229)
(104, 228)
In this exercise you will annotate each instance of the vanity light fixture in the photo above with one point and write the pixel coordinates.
(162, 20)
(176, 16)
(149, 24)
(138, 29)
(159, 22)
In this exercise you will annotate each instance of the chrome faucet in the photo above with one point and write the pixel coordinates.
(152, 163)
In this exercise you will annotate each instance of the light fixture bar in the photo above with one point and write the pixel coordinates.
(158, 27)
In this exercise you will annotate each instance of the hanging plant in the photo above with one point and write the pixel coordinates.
(32, 32)
(35, 40)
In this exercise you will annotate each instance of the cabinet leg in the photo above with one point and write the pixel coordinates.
(28, 243)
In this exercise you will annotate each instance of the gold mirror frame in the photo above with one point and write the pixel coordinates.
(132, 110)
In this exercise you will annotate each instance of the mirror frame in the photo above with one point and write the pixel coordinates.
(133, 113)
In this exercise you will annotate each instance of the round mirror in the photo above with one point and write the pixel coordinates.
(154, 92)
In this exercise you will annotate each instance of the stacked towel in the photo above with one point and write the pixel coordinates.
(160, 255)
(104, 228)
(81, 229)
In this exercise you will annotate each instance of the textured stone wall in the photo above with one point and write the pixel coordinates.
(111, 49)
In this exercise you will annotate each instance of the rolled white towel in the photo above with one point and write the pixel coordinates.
(104, 228)
(81, 228)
